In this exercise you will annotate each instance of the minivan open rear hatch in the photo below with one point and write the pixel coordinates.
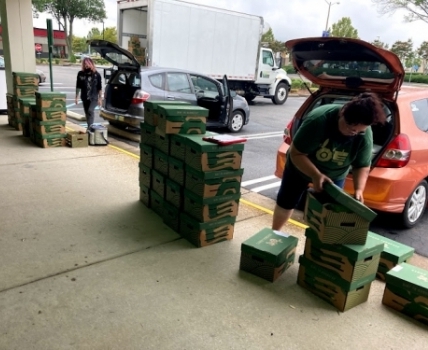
(348, 64)
(113, 53)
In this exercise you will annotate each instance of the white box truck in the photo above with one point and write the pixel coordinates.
(209, 40)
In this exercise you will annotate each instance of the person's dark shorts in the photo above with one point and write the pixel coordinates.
(293, 186)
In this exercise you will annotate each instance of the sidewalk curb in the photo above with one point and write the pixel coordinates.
(76, 116)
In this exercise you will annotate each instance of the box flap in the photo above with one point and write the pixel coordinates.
(393, 251)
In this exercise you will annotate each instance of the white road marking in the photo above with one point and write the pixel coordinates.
(266, 187)
(255, 181)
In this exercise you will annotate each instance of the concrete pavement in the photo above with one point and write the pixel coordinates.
(85, 265)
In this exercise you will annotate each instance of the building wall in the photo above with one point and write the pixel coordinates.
(41, 37)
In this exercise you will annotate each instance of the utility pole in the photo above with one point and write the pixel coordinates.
(329, 3)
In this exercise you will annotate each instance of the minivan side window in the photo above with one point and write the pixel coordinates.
(156, 80)
(420, 113)
(178, 82)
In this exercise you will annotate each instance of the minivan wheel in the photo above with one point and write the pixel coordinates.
(281, 94)
(236, 122)
(415, 205)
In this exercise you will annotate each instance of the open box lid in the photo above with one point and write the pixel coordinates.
(349, 202)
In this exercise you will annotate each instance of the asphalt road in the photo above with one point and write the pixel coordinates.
(264, 133)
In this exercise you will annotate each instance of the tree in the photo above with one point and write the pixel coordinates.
(380, 44)
(416, 9)
(274, 45)
(403, 49)
(423, 54)
(66, 11)
(344, 29)
(79, 44)
(110, 34)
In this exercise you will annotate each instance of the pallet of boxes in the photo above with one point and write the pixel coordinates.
(48, 120)
(25, 86)
(192, 183)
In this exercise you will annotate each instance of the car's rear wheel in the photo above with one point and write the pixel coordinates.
(236, 122)
(249, 97)
(281, 94)
(415, 205)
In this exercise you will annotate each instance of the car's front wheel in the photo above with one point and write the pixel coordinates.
(415, 205)
(236, 122)
(281, 94)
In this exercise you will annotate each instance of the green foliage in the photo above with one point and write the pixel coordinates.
(380, 44)
(403, 49)
(73, 59)
(416, 78)
(416, 9)
(344, 29)
(110, 34)
(296, 84)
(289, 69)
(274, 45)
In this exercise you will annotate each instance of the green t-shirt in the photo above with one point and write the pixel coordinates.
(331, 152)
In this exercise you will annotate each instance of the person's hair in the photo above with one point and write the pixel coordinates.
(365, 108)
(88, 61)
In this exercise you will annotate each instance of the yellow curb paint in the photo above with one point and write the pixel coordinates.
(124, 151)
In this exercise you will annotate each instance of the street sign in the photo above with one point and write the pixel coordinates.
(325, 33)
(38, 47)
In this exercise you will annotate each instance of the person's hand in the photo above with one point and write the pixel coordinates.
(358, 195)
(319, 180)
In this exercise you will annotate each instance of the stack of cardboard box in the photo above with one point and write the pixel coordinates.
(25, 85)
(25, 112)
(134, 47)
(340, 261)
(193, 184)
(48, 121)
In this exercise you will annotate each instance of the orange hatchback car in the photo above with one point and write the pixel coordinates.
(345, 67)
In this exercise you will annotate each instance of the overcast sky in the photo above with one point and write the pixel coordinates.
(291, 19)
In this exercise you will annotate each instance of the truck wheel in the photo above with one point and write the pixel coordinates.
(236, 122)
(249, 97)
(415, 205)
(281, 94)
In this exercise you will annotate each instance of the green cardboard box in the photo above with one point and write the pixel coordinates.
(351, 262)
(174, 193)
(25, 91)
(146, 155)
(202, 234)
(25, 79)
(334, 223)
(406, 290)
(331, 292)
(393, 253)
(162, 142)
(160, 161)
(145, 195)
(51, 101)
(213, 183)
(24, 104)
(145, 175)
(176, 170)
(207, 156)
(171, 216)
(151, 110)
(175, 119)
(50, 115)
(349, 202)
(158, 183)
(213, 208)
(77, 139)
(49, 140)
(147, 136)
(179, 141)
(268, 254)
(49, 127)
(156, 203)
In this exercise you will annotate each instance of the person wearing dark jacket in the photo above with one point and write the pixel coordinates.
(89, 87)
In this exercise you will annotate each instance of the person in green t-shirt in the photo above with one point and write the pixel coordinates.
(331, 139)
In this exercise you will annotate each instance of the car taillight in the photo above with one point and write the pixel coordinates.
(140, 96)
(397, 153)
(287, 133)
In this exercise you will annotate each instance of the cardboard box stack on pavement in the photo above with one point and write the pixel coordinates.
(25, 112)
(25, 85)
(268, 254)
(49, 123)
(340, 261)
(406, 290)
(201, 204)
(393, 253)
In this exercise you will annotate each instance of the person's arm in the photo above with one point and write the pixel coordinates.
(304, 164)
(99, 89)
(78, 88)
(360, 176)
